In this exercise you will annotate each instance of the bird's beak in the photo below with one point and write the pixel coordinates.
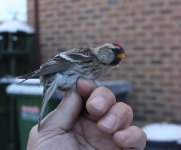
(121, 55)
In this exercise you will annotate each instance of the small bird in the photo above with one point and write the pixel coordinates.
(63, 70)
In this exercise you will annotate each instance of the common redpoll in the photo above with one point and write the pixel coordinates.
(63, 70)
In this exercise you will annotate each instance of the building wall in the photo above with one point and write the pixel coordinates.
(149, 31)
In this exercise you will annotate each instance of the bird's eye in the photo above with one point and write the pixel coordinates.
(116, 50)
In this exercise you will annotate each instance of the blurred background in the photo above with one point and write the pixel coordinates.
(149, 31)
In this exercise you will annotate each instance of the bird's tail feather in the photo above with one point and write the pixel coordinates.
(28, 76)
(46, 97)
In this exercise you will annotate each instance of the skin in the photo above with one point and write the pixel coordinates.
(108, 125)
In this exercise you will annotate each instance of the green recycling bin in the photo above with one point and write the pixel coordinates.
(28, 97)
(4, 116)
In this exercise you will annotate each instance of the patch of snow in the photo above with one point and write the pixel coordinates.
(29, 81)
(24, 89)
(9, 80)
(14, 26)
(163, 132)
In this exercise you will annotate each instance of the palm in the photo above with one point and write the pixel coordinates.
(83, 135)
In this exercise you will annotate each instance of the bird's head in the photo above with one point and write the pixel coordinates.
(110, 53)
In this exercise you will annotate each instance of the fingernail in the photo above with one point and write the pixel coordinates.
(109, 121)
(122, 136)
(98, 102)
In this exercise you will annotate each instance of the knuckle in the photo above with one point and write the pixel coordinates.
(126, 107)
(141, 135)
(129, 109)
(106, 92)
(126, 113)
(140, 131)
(134, 128)
(33, 131)
(102, 88)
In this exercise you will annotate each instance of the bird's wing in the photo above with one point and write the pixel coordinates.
(65, 60)
(82, 55)
(54, 65)
(62, 62)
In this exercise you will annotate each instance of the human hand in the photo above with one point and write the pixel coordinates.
(107, 127)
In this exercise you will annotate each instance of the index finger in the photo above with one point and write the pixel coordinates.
(85, 87)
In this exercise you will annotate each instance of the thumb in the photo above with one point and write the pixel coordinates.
(65, 115)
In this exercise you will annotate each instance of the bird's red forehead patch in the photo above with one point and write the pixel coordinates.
(116, 44)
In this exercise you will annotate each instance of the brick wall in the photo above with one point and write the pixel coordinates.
(150, 32)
